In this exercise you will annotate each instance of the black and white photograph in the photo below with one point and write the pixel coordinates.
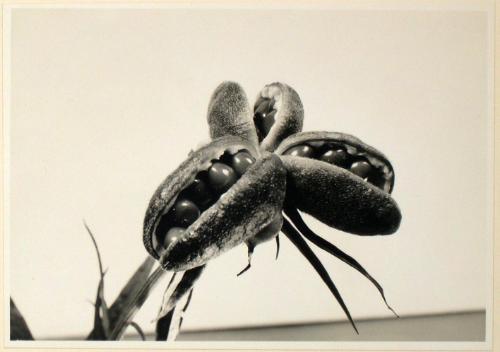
(266, 175)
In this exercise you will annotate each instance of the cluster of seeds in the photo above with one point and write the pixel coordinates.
(264, 116)
(337, 154)
(199, 195)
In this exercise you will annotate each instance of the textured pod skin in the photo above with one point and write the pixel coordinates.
(269, 232)
(229, 113)
(337, 198)
(375, 157)
(242, 212)
(289, 117)
(166, 194)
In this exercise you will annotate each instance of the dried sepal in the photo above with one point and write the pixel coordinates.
(297, 220)
(179, 286)
(297, 240)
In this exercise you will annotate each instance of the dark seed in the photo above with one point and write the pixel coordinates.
(267, 121)
(241, 162)
(173, 235)
(185, 212)
(264, 122)
(199, 192)
(264, 116)
(304, 151)
(361, 168)
(221, 177)
(337, 157)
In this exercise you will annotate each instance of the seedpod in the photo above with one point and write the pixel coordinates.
(278, 113)
(229, 113)
(341, 181)
(237, 212)
(232, 191)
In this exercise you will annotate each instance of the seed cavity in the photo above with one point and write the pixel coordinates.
(264, 113)
(345, 156)
(207, 187)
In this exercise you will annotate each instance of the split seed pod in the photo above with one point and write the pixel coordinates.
(278, 113)
(235, 191)
(248, 206)
(341, 181)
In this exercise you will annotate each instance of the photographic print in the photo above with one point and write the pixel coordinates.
(243, 175)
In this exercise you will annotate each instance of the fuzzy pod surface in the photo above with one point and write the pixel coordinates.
(229, 113)
(338, 198)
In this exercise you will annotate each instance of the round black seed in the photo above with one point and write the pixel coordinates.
(221, 177)
(304, 151)
(268, 121)
(242, 161)
(361, 168)
(264, 116)
(173, 235)
(185, 212)
(200, 192)
(336, 157)
(264, 122)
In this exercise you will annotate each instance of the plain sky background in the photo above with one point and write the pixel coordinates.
(105, 103)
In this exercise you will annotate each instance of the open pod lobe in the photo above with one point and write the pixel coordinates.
(341, 181)
(238, 210)
(278, 113)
